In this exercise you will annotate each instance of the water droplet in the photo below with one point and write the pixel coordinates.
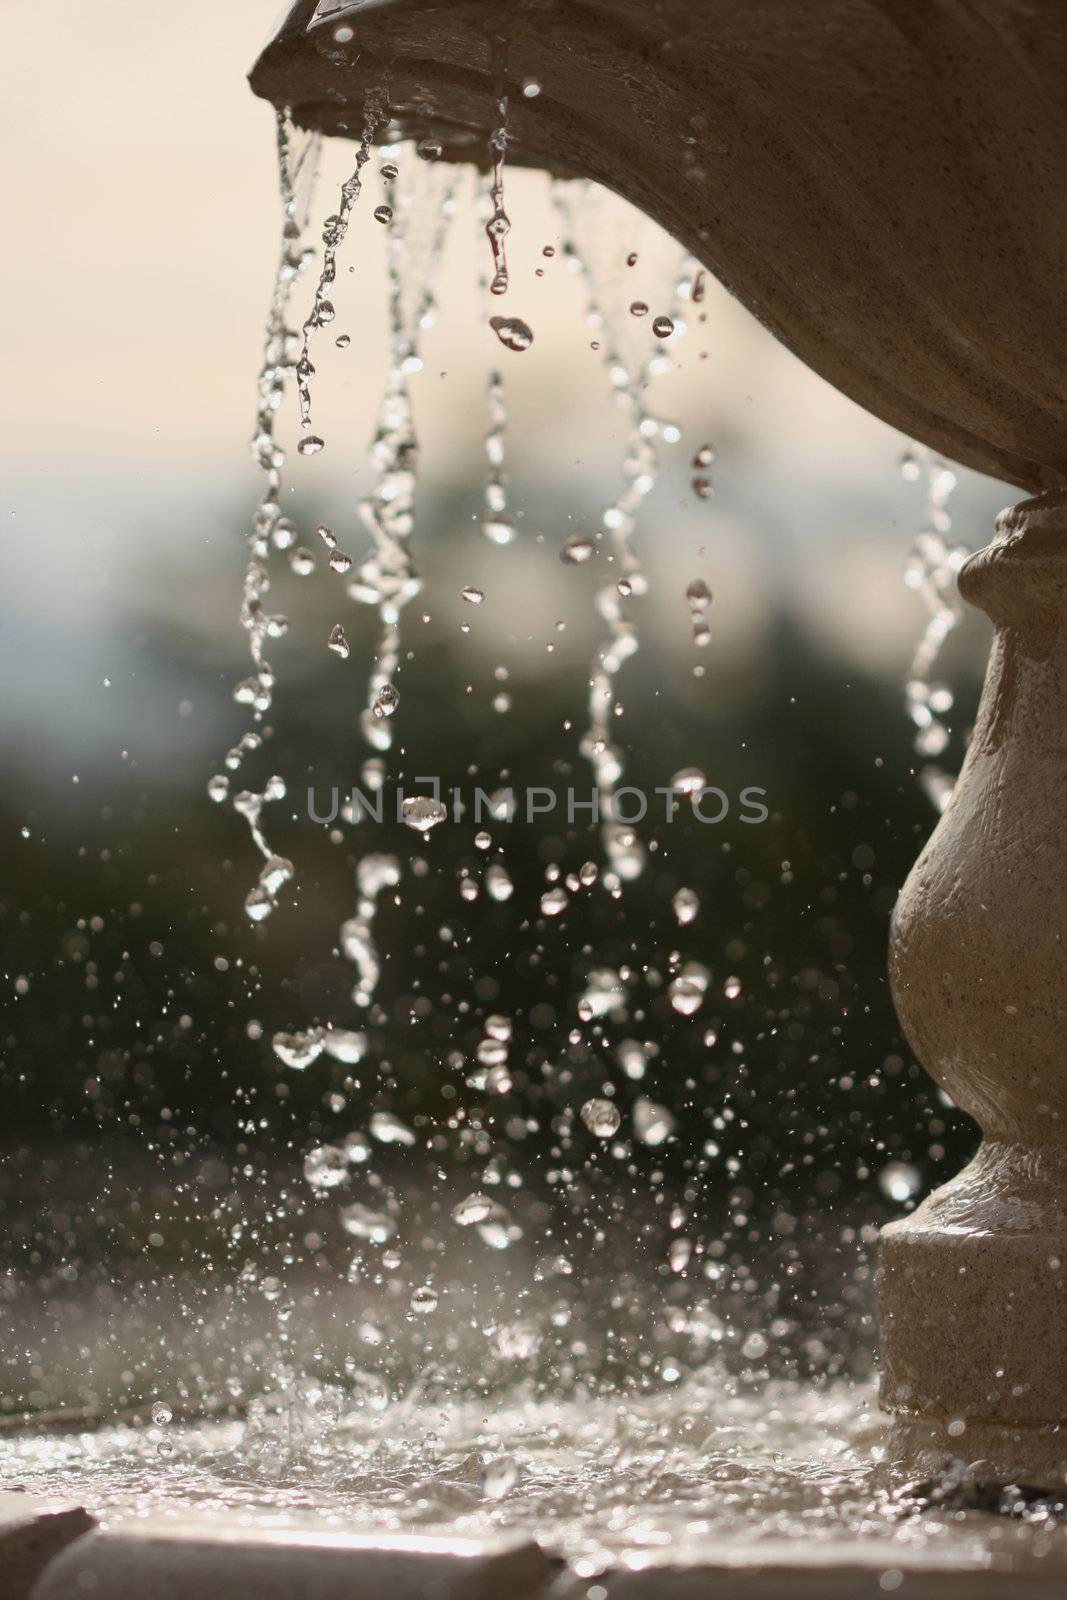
(899, 1181)
(310, 444)
(499, 530)
(429, 149)
(422, 812)
(686, 996)
(512, 332)
(383, 213)
(302, 562)
(498, 883)
(339, 562)
(732, 988)
(499, 1476)
(389, 1129)
(689, 780)
(653, 1124)
(604, 992)
(385, 701)
(258, 904)
(679, 1253)
(275, 873)
(702, 488)
(531, 88)
(364, 1223)
(705, 456)
(632, 1059)
(424, 1300)
(473, 597)
(218, 787)
(326, 1167)
(390, 171)
(602, 1118)
(578, 550)
(357, 1148)
(337, 641)
(662, 327)
(299, 1050)
(554, 902)
(161, 1413)
(686, 906)
(345, 1044)
(638, 308)
(474, 1209)
(343, 341)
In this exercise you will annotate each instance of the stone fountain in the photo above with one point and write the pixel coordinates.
(884, 184)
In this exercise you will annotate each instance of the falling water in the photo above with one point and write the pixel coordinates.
(575, 203)
(374, 874)
(296, 168)
(333, 237)
(608, 1106)
(499, 225)
(932, 569)
(388, 578)
(497, 524)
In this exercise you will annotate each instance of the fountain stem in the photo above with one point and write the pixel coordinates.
(973, 1286)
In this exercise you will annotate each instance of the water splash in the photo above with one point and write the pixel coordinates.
(932, 569)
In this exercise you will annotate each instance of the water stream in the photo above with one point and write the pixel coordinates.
(690, 1449)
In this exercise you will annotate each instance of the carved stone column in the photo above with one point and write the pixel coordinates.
(973, 1285)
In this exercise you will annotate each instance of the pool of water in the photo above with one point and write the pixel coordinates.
(598, 1479)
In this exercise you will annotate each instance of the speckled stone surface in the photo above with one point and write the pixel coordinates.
(973, 1286)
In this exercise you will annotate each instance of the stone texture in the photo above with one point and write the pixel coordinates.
(32, 1532)
(973, 1285)
(225, 1560)
(789, 1570)
(880, 181)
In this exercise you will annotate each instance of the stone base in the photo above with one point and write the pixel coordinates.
(221, 1559)
(973, 1302)
(1029, 1456)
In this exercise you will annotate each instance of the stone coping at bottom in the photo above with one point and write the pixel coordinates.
(33, 1531)
(52, 1550)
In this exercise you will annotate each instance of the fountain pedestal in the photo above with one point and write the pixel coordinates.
(973, 1285)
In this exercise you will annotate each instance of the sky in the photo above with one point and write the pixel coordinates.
(143, 215)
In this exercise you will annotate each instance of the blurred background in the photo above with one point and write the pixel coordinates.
(151, 1145)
